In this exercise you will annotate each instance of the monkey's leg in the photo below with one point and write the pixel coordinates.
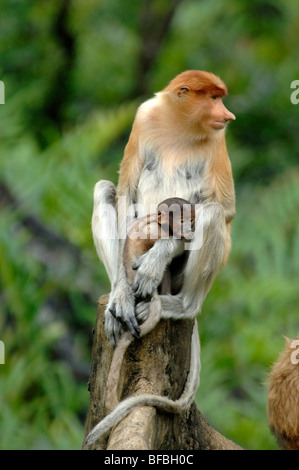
(104, 230)
(201, 269)
(104, 227)
(120, 313)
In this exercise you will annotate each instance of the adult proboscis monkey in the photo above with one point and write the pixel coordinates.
(176, 148)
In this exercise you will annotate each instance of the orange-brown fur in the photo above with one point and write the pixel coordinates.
(180, 133)
(203, 82)
(283, 399)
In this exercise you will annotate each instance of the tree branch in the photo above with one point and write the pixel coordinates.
(154, 24)
(157, 364)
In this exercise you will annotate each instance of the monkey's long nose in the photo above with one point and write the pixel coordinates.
(229, 116)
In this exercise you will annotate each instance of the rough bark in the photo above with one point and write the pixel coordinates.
(158, 363)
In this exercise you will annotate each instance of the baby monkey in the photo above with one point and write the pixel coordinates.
(175, 217)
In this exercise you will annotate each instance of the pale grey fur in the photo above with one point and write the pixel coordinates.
(110, 251)
(105, 209)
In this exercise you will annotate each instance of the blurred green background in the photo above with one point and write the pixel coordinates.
(74, 74)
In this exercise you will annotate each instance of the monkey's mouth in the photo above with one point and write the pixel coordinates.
(219, 124)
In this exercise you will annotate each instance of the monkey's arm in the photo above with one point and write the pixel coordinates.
(223, 190)
(152, 265)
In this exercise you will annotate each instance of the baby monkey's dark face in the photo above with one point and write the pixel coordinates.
(177, 217)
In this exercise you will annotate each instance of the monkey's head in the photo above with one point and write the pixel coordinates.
(177, 216)
(196, 98)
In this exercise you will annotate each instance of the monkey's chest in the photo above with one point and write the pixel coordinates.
(155, 185)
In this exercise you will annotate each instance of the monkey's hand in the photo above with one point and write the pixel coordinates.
(151, 267)
(120, 313)
(149, 275)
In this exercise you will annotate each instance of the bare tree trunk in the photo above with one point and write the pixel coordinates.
(158, 364)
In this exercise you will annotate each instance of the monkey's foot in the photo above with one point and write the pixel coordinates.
(113, 328)
(142, 311)
(120, 314)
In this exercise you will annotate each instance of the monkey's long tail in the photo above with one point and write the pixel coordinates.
(164, 403)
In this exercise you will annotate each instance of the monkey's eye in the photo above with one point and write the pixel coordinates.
(214, 97)
(185, 87)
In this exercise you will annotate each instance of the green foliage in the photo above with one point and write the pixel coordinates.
(50, 287)
(253, 303)
(74, 73)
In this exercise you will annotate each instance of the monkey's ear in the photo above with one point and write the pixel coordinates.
(183, 90)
